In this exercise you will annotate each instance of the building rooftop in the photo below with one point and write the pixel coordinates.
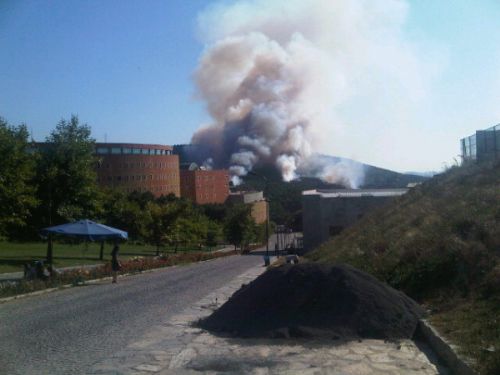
(128, 144)
(355, 193)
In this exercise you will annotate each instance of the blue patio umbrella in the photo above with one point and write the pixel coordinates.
(88, 230)
(84, 229)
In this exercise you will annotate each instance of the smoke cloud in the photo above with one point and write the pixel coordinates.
(274, 74)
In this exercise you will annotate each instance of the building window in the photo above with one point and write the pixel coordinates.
(145, 151)
(116, 150)
(127, 150)
(102, 150)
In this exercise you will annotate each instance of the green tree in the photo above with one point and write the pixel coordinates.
(126, 213)
(214, 234)
(17, 193)
(66, 177)
(163, 218)
(189, 227)
(239, 227)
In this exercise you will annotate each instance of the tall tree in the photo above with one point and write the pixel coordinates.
(17, 193)
(239, 227)
(121, 211)
(66, 175)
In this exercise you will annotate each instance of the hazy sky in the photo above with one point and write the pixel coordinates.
(126, 67)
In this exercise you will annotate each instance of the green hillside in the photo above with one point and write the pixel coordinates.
(440, 243)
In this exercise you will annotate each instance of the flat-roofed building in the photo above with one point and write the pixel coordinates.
(138, 167)
(326, 213)
(204, 186)
(256, 200)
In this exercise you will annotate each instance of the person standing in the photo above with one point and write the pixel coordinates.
(115, 264)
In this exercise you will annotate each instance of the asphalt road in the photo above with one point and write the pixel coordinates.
(67, 331)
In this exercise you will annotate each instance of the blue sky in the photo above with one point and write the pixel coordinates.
(125, 68)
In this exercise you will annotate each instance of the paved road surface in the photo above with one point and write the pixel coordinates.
(68, 331)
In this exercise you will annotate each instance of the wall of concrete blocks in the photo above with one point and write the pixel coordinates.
(323, 217)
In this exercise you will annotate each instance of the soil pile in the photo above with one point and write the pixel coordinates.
(316, 300)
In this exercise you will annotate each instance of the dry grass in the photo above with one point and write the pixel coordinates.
(440, 244)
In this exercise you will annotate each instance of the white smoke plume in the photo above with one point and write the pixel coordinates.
(274, 73)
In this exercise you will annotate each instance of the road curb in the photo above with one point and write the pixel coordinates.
(94, 281)
(444, 350)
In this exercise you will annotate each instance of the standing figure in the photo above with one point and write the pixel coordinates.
(115, 264)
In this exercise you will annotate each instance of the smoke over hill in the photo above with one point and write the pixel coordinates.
(273, 74)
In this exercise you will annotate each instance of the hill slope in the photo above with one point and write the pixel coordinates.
(374, 177)
(285, 197)
(440, 244)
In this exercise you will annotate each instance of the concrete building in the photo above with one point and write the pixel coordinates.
(138, 167)
(326, 213)
(482, 146)
(256, 200)
(204, 186)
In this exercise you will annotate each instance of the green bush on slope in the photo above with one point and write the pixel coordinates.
(440, 243)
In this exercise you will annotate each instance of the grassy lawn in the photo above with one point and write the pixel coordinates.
(14, 255)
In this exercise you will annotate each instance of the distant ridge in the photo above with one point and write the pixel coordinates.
(423, 174)
(285, 197)
(375, 177)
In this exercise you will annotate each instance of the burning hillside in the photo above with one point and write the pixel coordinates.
(274, 74)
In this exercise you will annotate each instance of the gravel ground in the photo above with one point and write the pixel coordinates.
(70, 330)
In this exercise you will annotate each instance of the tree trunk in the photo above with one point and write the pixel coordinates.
(101, 253)
(49, 250)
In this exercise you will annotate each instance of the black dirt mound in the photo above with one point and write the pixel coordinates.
(316, 300)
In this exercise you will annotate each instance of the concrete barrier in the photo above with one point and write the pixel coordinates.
(443, 349)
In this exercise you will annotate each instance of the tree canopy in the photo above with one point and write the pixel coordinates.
(17, 196)
(53, 182)
(66, 177)
(240, 228)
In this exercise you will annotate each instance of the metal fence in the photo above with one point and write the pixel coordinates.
(484, 145)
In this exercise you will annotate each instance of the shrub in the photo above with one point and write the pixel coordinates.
(80, 276)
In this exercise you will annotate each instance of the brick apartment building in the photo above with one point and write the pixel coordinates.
(204, 186)
(138, 167)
